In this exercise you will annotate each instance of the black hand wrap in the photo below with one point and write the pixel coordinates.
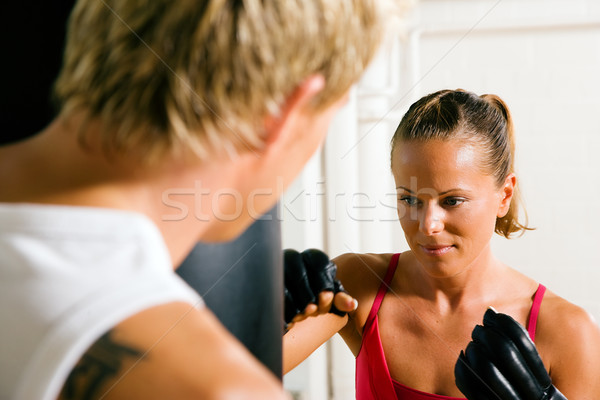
(501, 362)
(306, 275)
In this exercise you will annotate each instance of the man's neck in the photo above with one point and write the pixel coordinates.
(53, 168)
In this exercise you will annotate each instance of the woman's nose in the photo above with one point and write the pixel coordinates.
(431, 221)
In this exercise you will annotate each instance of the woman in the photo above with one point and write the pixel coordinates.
(452, 159)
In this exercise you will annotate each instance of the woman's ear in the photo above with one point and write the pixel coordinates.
(506, 192)
(292, 107)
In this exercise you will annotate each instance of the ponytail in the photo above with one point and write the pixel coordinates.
(509, 224)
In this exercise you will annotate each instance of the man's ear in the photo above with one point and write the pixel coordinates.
(296, 103)
(507, 192)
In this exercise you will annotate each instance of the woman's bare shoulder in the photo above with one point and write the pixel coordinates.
(558, 314)
(362, 258)
(361, 274)
(358, 268)
(569, 340)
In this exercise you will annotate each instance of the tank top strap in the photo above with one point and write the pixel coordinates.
(383, 288)
(535, 310)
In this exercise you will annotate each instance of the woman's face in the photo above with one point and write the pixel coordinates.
(447, 204)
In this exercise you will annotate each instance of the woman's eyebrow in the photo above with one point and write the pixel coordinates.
(454, 190)
(402, 187)
(439, 194)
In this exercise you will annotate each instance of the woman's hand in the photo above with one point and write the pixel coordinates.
(311, 287)
(501, 362)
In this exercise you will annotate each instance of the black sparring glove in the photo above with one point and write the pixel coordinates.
(306, 275)
(501, 362)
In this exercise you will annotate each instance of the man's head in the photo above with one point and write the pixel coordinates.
(201, 77)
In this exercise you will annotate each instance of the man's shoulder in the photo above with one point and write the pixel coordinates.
(170, 351)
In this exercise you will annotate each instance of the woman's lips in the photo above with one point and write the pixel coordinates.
(436, 250)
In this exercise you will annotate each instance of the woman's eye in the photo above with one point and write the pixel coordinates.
(453, 201)
(409, 200)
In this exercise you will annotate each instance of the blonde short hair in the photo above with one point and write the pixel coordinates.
(164, 76)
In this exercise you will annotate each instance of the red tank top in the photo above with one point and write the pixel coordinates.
(373, 379)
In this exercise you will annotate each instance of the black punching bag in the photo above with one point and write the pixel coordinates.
(242, 283)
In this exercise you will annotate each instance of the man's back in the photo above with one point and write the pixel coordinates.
(70, 274)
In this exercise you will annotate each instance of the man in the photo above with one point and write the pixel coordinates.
(180, 120)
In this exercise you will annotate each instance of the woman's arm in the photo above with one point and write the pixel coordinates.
(361, 275)
(308, 335)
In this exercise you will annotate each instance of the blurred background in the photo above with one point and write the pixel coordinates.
(543, 58)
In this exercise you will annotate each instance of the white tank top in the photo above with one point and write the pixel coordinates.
(68, 275)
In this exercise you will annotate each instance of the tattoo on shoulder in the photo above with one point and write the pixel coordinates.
(103, 361)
